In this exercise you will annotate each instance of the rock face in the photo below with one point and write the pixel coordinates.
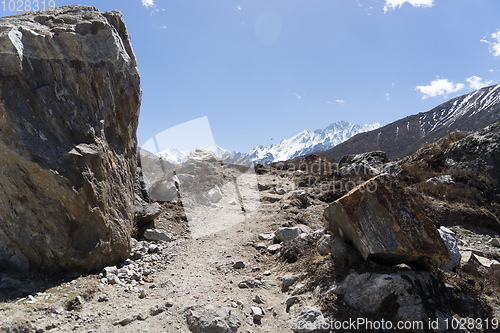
(478, 151)
(370, 163)
(69, 106)
(385, 225)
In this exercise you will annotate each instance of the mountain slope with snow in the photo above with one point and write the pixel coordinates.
(307, 142)
(468, 113)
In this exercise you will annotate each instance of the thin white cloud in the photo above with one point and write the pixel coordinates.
(238, 7)
(367, 8)
(148, 3)
(387, 96)
(494, 43)
(439, 87)
(297, 95)
(476, 82)
(393, 4)
(340, 101)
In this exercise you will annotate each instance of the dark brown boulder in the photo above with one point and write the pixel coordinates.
(385, 225)
(69, 106)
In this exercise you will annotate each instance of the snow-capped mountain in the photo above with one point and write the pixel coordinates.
(307, 142)
(174, 155)
(467, 113)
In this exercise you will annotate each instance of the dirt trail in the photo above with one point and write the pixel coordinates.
(189, 271)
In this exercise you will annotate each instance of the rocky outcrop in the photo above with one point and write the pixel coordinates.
(69, 106)
(385, 225)
(370, 163)
(479, 151)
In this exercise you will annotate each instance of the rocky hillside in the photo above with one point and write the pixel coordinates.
(467, 113)
(69, 107)
(319, 250)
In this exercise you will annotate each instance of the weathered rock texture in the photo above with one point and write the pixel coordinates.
(480, 151)
(69, 106)
(406, 296)
(385, 225)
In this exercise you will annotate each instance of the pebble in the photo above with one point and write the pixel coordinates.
(143, 293)
(259, 246)
(257, 313)
(156, 310)
(274, 248)
(288, 280)
(114, 280)
(110, 271)
(258, 299)
(291, 301)
(266, 236)
(239, 265)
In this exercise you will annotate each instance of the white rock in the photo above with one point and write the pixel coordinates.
(287, 234)
(257, 313)
(274, 248)
(114, 280)
(158, 235)
(267, 236)
(300, 194)
(443, 179)
(309, 320)
(214, 195)
(448, 231)
(451, 245)
(110, 271)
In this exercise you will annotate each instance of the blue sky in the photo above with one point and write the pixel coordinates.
(264, 70)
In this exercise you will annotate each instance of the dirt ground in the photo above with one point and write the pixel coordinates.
(189, 271)
(198, 268)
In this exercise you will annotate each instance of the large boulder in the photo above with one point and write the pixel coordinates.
(406, 296)
(385, 225)
(69, 106)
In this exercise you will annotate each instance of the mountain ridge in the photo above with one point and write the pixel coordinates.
(308, 142)
(468, 113)
(303, 143)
